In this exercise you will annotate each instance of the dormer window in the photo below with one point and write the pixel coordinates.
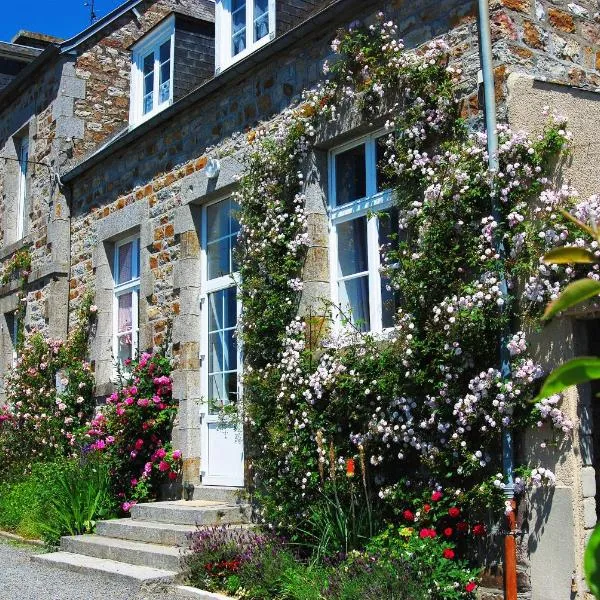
(152, 72)
(242, 27)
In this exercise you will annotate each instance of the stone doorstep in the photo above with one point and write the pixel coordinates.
(195, 512)
(114, 569)
(230, 495)
(144, 554)
(146, 548)
(153, 532)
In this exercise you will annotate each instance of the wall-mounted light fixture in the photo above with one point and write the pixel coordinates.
(212, 169)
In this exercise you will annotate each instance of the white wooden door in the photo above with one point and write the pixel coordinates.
(222, 442)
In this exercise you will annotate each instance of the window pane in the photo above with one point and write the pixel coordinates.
(261, 19)
(352, 247)
(229, 350)
(238, 26)
(165, 73)
(230, 307)
(350, 175)
(383, 181)
(389, 226)
(389, 303)
(124, 347)
(148, 69)
(215, 311)
(125, 313)
(218, 258)
(354, 299)
(217, 220)
(165, 52)
(125, 262)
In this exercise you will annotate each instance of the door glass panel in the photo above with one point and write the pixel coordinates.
(216, 361)
(222, 229)
(354, 301)
(352, 246)
(222, 348)
(350, 175)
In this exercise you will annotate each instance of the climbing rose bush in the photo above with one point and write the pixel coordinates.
(133, 431)
(427, 398)
(49, 396)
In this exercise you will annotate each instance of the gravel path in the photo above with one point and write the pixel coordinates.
(21, 579)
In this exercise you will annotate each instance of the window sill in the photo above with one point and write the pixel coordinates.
(15, 246)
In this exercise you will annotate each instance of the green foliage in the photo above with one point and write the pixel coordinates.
(591, 562)
(575, 293)
(441, 575)
(574, 372)
(64, 497)
(18, 265)
(81, 495)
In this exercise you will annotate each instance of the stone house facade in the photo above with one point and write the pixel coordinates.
(133, 131)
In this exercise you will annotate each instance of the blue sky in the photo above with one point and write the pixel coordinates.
(62, 18)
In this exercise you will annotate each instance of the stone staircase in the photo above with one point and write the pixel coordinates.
(147, 547)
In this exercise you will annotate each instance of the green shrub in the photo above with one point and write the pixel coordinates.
(57, 498)
(79, 496)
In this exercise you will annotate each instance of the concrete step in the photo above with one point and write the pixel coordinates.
(229, 495)
(153, 532)
(193, 512)
(124, 572)
(124, 551)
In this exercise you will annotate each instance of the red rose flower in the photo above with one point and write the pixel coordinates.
(479, 529)
(436, 496)
(427, 508)
(448, 553)
(164, 466)
(454, 512)
(448, 531)
(172, 475)
(462, 526)
(408, 515)
(471, 586)
(427, 533)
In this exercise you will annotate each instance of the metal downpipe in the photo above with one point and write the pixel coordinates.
(510, 556)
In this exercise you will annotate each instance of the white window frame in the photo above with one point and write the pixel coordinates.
(150, 44)
(133, 285)
(209, 286)
(23, 154)
(373, 202)
(223, 19)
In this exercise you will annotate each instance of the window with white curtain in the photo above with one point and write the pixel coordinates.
(23, 154)
(152, 73)
(242, 26)
(126, 299)
(363, 222)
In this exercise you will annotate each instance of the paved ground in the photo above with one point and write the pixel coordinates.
(21, 579)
